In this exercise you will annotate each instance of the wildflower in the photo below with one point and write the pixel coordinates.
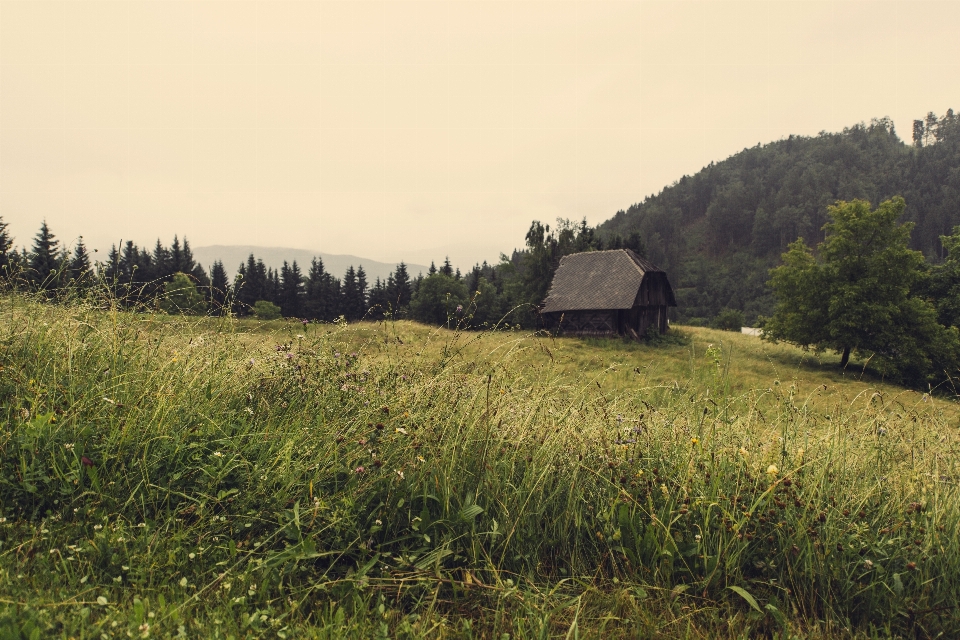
(191, 555)
(772, 470)
(217, 454)
(867, 564)
(379, 522)
(399, 475)
(68, 447)
(85, 461)
(639, 473)
(459, 308)
(249, 410)
(401, 430)
(694, 441)
(97, 527)
(420, 459)
(359, 470)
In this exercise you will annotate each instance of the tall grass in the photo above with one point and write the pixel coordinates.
(164, 476)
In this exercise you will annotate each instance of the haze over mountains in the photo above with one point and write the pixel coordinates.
(233, 255)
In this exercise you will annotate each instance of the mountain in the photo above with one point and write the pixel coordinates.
(717, 233)
(232, 256)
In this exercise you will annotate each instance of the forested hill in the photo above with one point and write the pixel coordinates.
(718, 232)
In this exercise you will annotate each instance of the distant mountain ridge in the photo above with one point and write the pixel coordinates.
(336, 264)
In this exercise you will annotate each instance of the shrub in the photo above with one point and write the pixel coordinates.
(728, 320)
(265, 310)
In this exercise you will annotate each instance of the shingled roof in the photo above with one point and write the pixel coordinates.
(598, 280)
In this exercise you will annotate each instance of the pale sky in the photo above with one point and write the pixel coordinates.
(410, 130)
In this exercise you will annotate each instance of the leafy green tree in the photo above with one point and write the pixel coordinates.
(486, 306)
(856, 296)
(437, 300)
(180, 295)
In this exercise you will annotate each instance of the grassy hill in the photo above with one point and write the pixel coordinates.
(221, 478)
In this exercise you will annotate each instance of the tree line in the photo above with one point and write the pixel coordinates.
(169, 278)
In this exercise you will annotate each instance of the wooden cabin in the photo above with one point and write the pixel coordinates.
(607, 293)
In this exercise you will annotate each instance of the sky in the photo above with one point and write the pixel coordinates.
(397, 130)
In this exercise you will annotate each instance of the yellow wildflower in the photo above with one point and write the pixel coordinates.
(772, 470)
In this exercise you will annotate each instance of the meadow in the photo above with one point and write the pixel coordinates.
(203, 477)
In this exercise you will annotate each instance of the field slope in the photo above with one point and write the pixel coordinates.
(164, 476)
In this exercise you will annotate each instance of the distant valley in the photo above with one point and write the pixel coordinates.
(233, 255)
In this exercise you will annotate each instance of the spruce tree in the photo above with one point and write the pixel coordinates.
(401, 293)
(348, 295)
(314, 300)
(447, 268)
(80, 264)
(6, 244)
(377, 300)
(219, 288)
(361, 301)
(291, 290)
(163, 268)
(44, 260)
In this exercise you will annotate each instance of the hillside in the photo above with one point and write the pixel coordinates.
(719, 231)
(214, 477)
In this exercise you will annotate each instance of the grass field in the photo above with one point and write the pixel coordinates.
(166, 476)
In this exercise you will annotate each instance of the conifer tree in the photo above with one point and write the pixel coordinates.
(291, 290)
(361, 301)
(6, 244)
(377, 301)
(447, 268)
(401, 292)
(219, 288)
(163, 268)
(80, 264)
(44, 260)
(349, 294)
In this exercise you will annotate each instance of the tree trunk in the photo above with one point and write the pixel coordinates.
(845, 358)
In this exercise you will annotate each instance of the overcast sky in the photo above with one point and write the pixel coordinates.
(410, 130)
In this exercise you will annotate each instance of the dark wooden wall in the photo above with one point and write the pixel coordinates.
(632, 323)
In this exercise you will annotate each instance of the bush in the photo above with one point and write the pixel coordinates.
(180, 295)
(728, 320)
(265, 310)
(437, 299)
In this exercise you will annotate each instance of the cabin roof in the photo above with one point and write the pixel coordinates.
(600, 280)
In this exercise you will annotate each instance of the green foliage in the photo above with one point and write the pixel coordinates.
(859, 298)
(265, 310)
(180, 295)
(437, 299)
(718, 232)
(728, 320)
